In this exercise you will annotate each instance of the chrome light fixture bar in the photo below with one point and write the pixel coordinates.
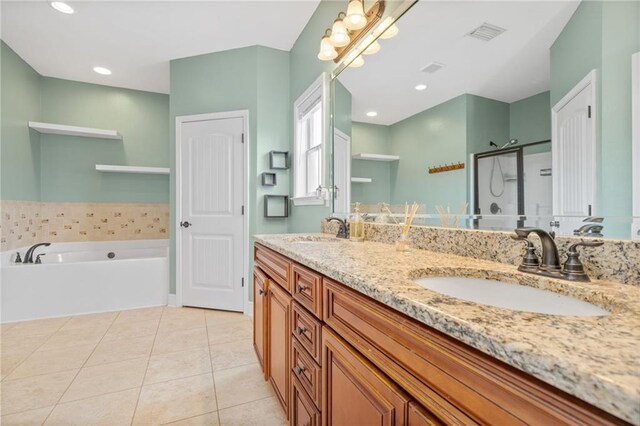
(350, 28)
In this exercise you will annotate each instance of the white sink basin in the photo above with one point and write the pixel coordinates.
(510, 296)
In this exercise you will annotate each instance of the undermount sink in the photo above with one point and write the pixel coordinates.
(510, 296)
(312, 239)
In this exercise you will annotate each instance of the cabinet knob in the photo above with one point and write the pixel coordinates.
(299, 369)
(302, 289)
(261, 292)
(300, 330)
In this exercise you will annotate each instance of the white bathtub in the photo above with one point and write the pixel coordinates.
(81, 278)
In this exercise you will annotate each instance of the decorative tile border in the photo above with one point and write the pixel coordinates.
(616, 260)
(24, 223)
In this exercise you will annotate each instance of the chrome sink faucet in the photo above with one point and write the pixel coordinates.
(572, 270)
(343, 232)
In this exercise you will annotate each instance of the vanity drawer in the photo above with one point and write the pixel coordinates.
(307, 330)
(276, 265)
(307, 288)
(303, 411)
(307, 372)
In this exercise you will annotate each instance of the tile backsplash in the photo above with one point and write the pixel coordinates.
(28, 222)
(616, 260)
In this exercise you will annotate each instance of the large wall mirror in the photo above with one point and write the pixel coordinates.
(492, 115)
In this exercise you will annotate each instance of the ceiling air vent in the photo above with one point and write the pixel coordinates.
(432, 67)
(486, 32)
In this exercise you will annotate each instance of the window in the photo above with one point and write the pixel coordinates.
(308, 167)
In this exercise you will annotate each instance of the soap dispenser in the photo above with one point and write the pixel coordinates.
(356, 225)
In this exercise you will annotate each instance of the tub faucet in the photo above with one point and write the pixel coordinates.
(28, 257)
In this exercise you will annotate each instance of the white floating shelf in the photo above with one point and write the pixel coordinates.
(132, 169)
(375, 157)
(62, 129)
(361, 180)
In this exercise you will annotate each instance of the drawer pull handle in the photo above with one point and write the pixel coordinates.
(302, 289)
(261, 292)
(299, 369)
(300, 330)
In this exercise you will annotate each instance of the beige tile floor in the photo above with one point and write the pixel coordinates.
(141, 367)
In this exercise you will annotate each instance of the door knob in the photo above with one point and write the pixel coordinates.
(185, 224)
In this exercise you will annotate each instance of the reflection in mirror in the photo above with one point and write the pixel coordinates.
(494, 115)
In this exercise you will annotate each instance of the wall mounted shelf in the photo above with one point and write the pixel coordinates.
(62, 129)
(361, 180)
(375, 157)
(132, 169)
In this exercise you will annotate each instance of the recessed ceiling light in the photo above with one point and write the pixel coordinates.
(421, 86)
(102, 70)
(372, 114)
(62, 7)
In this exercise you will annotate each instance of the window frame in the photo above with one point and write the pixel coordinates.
(318, 89)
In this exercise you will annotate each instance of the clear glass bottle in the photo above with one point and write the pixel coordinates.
(356, 225)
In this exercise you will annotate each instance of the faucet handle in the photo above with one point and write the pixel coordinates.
(18, 259)
(530, 260)
(38, 260)
(573, 268)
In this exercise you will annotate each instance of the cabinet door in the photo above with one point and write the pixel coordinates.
(260, 318)
(279, 332)
(419, 416)
(303, 410)
(355, 391)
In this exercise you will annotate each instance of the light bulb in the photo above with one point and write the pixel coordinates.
(327, 51)
(62, 7)
(339, 36)
(357, 62)
(392, 31)
(373, 48)
(355, 19)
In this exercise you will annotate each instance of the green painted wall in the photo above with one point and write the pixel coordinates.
(20, 146)
(68, 162)
(603, 36)
(376, 139)
(530, 118)
(255, 79)
(304, 70)
(435, 136)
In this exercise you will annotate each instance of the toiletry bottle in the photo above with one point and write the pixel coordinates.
(356, 225)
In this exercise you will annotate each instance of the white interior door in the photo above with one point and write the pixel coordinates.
(341, 172)
(212, 226)
(573, 153)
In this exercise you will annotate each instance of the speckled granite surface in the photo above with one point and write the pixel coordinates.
(616, 260)
(594, 358)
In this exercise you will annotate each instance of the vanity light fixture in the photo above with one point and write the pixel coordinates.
(355, 19)
(420, 87)
(62, 7)
(327, 51)
(348, 31)
(102, 70)
(372, 114)
(339, 34)
(390, 32)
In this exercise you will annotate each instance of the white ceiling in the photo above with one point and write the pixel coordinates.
(508, 68)
(137, 39)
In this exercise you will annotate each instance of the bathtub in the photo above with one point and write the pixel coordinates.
(82, 278)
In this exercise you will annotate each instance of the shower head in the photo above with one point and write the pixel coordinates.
(511, 142)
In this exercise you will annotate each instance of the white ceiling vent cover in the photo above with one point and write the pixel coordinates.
(486, 32)
(432, 67)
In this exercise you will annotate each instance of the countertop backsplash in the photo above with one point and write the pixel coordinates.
(616, 260)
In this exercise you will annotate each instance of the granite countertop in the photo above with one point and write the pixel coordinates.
(596, 359)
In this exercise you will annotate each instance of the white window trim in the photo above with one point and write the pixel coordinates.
(322, 82)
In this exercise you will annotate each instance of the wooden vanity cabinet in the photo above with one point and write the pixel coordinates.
(260, 319)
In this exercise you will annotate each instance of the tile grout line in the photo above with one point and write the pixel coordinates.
(135, 410)
(213, 377)
(80, 369)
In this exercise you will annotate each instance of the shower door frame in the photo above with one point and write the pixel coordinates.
(519, 151)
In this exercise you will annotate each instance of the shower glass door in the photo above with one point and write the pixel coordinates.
(498, 188)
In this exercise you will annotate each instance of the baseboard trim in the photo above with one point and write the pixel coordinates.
(171, 300)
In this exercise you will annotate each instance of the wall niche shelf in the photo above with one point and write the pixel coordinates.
(132, 169)
(375, 157)
(62, 129)
(361, 180)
